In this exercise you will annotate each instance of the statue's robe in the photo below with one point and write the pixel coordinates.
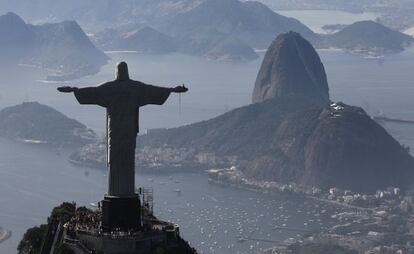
(122, 100)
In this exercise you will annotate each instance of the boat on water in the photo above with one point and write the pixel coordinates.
(241, 239)
(4, 234)
(32, 141)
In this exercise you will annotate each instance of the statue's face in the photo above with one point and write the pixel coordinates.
(122, 71)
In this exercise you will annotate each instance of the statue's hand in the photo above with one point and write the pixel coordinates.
(180, 89)
(67, 89)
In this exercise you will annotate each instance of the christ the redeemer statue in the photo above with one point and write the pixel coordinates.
(122, 99)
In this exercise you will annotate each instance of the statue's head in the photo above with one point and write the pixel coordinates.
(122, 71)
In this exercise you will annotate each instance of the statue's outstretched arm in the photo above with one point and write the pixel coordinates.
(156, 95)
(67, 89)
(87, 95)
(179, 89)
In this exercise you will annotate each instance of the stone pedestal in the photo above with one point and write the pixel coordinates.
(121, 213)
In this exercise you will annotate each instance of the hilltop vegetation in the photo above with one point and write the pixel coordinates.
(36, 123)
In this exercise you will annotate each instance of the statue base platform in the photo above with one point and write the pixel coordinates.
(121, 213)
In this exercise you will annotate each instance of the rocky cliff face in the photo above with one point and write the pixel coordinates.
(291, 67)
(289, 140)
(14, 33)
(339, 146)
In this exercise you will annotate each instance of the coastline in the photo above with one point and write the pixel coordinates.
(4, 234)
(366, 224)
(296, 194)
(362, 202)
(381, 119)
(139, 169)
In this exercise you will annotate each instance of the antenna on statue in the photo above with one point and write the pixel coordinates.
(179, 103)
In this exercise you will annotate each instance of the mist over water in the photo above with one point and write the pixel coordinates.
(33, 179)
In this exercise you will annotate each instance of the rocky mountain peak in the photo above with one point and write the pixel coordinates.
(12, 18)
(13, 29)
(69, 29)
(291, 66)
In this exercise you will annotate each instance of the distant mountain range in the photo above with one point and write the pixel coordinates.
(32, 122)
(216, 29)
(61, 48)
(232, 29)
(148, 40)
(251, 22)
(292, 133)
(93, 14)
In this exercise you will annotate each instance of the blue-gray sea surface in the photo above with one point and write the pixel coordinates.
(33, 179)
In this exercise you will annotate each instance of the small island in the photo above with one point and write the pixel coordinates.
(4, 234)
(367, 38)
(32, 122)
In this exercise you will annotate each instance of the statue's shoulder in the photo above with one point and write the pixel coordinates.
(107, 84)
(137, 83)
